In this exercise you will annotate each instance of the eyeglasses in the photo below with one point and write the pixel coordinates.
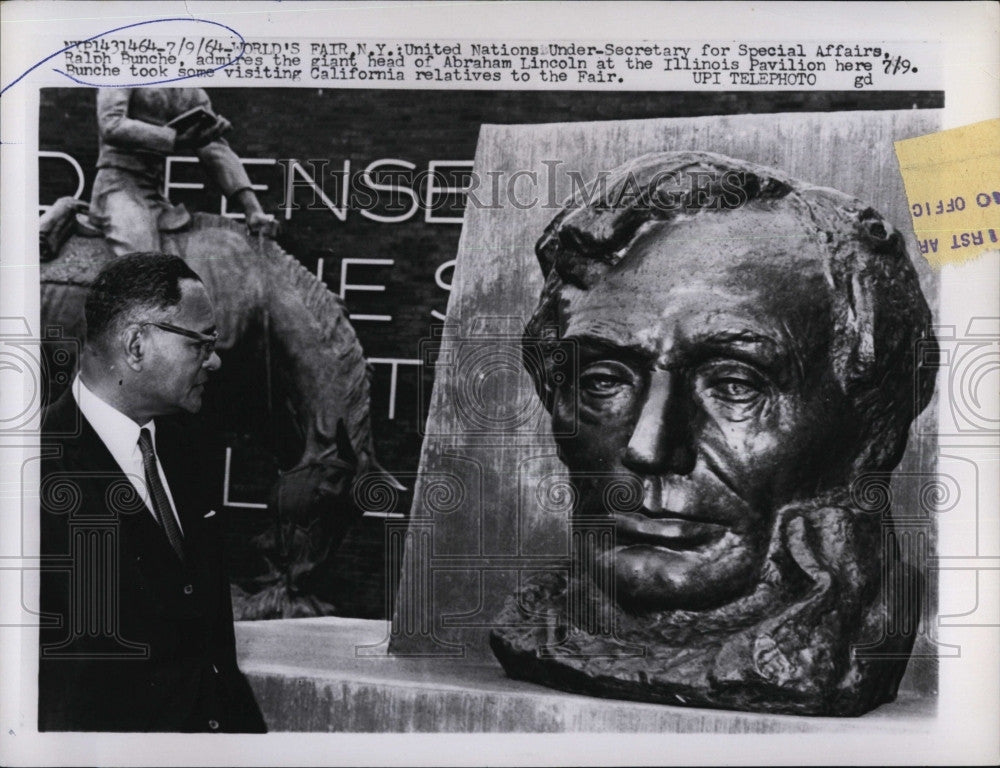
(206, 341)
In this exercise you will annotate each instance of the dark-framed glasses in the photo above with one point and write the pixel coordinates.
(206, 341)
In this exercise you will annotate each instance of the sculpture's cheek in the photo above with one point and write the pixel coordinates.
(586, 444)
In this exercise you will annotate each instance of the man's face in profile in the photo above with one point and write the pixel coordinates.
(704, 373)
(178, 367)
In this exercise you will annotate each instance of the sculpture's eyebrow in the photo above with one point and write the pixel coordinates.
(613, 345)
(753, 346)
(740, 338)
(767, 352)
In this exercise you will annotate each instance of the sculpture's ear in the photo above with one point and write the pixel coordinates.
(863, 321)
(538, 366)
(879, 237)
(543, 354)
(549, 361)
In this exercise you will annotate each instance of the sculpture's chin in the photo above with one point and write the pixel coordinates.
(734, 623)
(683, 576)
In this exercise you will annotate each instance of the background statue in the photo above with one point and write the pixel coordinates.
(741, 351)
(138, 128)
(270, 308)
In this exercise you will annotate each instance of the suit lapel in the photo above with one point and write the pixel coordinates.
(88, 455)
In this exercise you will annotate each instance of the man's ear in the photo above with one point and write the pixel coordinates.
(133, 345)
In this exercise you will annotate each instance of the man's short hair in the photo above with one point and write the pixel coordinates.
(131, 286)
(879, 311)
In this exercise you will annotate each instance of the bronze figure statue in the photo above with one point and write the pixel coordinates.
(138, 128)
(743, 350)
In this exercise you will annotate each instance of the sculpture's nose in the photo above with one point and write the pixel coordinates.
(661, 441)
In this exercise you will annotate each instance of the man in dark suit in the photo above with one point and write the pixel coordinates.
(137, 632)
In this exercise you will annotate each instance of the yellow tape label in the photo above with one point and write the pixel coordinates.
(952, 181)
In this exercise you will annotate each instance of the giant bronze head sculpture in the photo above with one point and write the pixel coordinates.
(743, 351)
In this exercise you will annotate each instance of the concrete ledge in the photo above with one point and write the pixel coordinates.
(333, 674)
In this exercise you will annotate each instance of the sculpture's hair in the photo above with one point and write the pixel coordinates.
(880, 314)
(131, 285)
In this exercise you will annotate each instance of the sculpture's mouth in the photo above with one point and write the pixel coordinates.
(665, 496)
(665, 529)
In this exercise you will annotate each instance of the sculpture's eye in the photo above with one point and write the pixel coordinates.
(736, 390)
(733, 383)
(605, 379)
(599, 385)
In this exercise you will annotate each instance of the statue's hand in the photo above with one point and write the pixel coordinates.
(260, 223)
(197, 136)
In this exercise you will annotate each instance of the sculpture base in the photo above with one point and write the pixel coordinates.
(309, 675)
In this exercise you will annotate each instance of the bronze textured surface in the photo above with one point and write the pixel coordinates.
(488, 438)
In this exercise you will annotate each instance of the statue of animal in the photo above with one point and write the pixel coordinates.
(266, 301)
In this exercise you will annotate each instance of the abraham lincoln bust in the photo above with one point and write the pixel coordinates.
(743, 352)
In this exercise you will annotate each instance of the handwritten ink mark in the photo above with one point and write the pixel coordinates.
(243, 46)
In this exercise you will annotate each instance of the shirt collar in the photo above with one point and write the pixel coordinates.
(116, 430)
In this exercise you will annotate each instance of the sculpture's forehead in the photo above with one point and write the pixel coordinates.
(741, 246)
(761, 270)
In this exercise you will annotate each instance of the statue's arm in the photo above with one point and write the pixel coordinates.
(218, 159)
(119, 130)
(225, 168)
(222, 164)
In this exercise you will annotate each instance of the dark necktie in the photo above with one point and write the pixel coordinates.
(158, 494)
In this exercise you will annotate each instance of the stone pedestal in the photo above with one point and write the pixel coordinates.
(333, 675)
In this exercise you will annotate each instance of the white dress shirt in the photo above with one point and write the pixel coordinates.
(121, 436)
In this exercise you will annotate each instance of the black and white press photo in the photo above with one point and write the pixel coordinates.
(598, 391)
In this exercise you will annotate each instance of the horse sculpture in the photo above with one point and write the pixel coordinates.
(267, 301)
